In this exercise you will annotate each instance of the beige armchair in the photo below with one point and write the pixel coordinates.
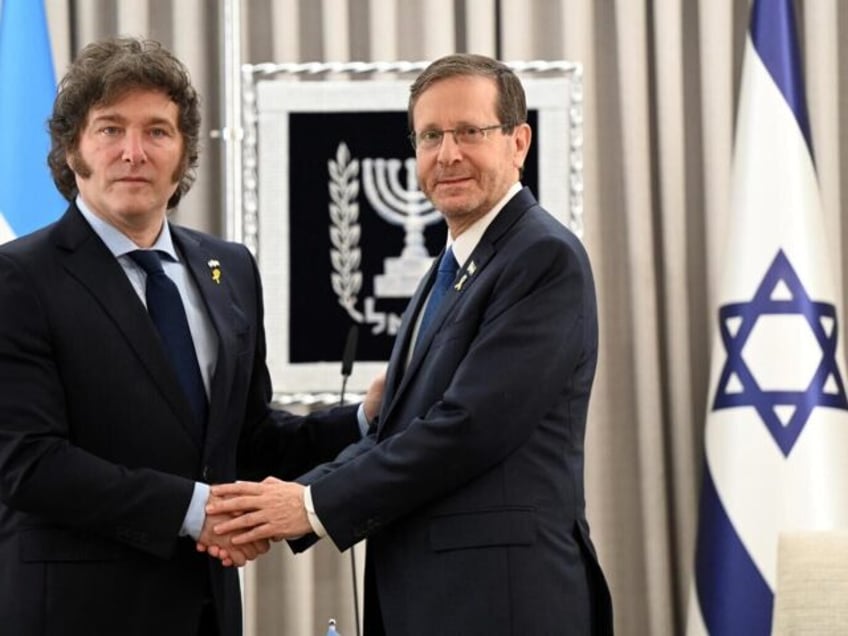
(812, 584)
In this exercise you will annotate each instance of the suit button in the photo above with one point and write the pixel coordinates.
(207, 474)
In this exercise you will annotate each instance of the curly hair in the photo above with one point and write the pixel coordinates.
(511, 105)
(103, 72)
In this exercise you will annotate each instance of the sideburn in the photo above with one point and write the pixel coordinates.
(78, 165)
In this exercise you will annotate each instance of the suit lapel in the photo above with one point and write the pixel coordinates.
(88, 260)
(218, 295)
(399, 377)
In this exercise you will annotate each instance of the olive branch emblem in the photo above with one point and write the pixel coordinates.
(345, 230)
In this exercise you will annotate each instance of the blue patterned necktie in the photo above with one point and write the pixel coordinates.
(444, 279)
(168, 314)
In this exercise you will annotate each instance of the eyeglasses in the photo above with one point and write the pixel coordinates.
(462, 136)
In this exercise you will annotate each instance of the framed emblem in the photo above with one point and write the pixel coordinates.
(341, 232)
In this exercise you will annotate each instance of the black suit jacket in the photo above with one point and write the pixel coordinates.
(470, 489)
(97, 465)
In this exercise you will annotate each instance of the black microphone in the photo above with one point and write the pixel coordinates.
(350, 350)
(347, 367)
(347, 358)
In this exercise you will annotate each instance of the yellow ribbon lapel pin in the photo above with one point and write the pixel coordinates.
(215, 270)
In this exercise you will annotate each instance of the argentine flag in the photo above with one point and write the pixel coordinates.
(28, 198)
(776, 437)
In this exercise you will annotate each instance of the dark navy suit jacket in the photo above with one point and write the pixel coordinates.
(96, 464)
(470, 488)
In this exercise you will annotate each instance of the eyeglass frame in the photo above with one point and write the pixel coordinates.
(413, 136)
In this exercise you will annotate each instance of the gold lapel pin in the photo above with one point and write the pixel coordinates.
(215, 268)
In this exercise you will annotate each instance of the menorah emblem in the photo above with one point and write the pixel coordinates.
(400, 205)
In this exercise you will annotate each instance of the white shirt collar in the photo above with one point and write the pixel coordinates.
(118, 242)
(465, 243)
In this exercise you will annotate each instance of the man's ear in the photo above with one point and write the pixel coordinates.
(522, 136)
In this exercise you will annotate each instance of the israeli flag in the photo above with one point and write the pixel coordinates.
(776, 438)
(28, 198)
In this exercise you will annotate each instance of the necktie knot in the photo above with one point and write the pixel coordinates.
(149, 260)
(448, 265)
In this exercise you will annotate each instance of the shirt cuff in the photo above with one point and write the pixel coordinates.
(196, 513)
(362, 419)
(317, 527)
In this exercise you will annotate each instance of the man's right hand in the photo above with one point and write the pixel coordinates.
(221, 546)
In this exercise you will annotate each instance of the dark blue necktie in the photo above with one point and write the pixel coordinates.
(444, 279)
(168, 314)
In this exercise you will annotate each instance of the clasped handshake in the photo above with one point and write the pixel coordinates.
(244, 517)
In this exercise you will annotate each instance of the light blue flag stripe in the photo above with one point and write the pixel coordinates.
(28, 197)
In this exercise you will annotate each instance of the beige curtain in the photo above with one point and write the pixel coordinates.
(661, 78)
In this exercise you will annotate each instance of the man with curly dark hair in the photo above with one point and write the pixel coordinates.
(132, 374)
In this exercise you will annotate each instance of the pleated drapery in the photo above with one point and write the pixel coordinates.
(660, 88)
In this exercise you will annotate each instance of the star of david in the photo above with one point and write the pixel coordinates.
(780, 292)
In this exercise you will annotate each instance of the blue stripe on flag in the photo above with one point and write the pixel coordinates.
(773, 35)
(744, 607)
(28, 197)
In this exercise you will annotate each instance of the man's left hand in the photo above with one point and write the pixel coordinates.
(272, 509)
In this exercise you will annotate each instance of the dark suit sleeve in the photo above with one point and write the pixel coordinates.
(285, 445)
(43, 472)
(348, 454)
(275, 441)
(488, 381)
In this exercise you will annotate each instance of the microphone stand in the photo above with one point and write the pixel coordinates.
(347, 367)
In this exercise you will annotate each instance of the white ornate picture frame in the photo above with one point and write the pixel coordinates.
(274, 101)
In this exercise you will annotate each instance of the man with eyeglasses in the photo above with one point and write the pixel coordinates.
(469, 486)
